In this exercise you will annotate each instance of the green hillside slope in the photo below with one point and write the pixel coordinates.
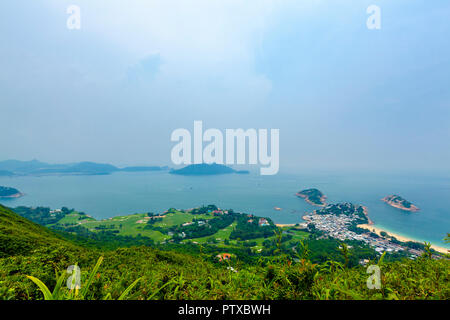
(19, 236)
(31, 250)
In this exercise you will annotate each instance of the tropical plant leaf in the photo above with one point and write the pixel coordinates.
(44, 289)
(85, 289)
(56, 290)
(127, 290)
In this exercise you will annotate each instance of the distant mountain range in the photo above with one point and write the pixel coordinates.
(35, 167)
(206, 169)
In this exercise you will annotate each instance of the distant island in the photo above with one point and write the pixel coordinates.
(313, 196)
(400, 203)
(35, 167)
(7, 192)
(206, 169)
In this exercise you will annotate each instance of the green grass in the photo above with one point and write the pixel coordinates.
(298, 234)
(132, 225)
(20, 236)
(73, 218)
(220, 235)
(171, 275)
(177, 218)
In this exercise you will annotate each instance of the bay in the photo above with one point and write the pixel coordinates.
(105, 196)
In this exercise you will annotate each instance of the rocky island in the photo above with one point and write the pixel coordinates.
(206, 169)
(400, 203)
(7, 192)
(313, 196)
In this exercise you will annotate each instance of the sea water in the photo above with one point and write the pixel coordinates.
(104, 196)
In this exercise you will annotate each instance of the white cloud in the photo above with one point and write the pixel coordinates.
(198, 40)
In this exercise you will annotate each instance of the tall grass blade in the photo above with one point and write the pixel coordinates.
(57, 288)
(156, 292)
(127, 290)
(85, 289)
(42, 287)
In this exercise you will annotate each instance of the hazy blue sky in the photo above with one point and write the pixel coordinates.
(342, 96)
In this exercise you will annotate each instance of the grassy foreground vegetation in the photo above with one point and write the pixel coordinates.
(188, 272)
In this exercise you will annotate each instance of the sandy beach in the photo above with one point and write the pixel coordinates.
(398, 237)
(13, 196)
(281, 225)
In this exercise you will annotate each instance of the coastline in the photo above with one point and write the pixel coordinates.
(401, 238)
(393, 204)
(13, 196)
(283, 225)
(306, 198)
(366, 212)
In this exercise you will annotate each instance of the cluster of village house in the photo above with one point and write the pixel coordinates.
(336, 226)
(262, 222)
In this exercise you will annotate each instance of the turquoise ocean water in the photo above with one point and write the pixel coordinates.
(104, 196)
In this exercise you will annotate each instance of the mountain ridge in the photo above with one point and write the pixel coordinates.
(35, 167)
